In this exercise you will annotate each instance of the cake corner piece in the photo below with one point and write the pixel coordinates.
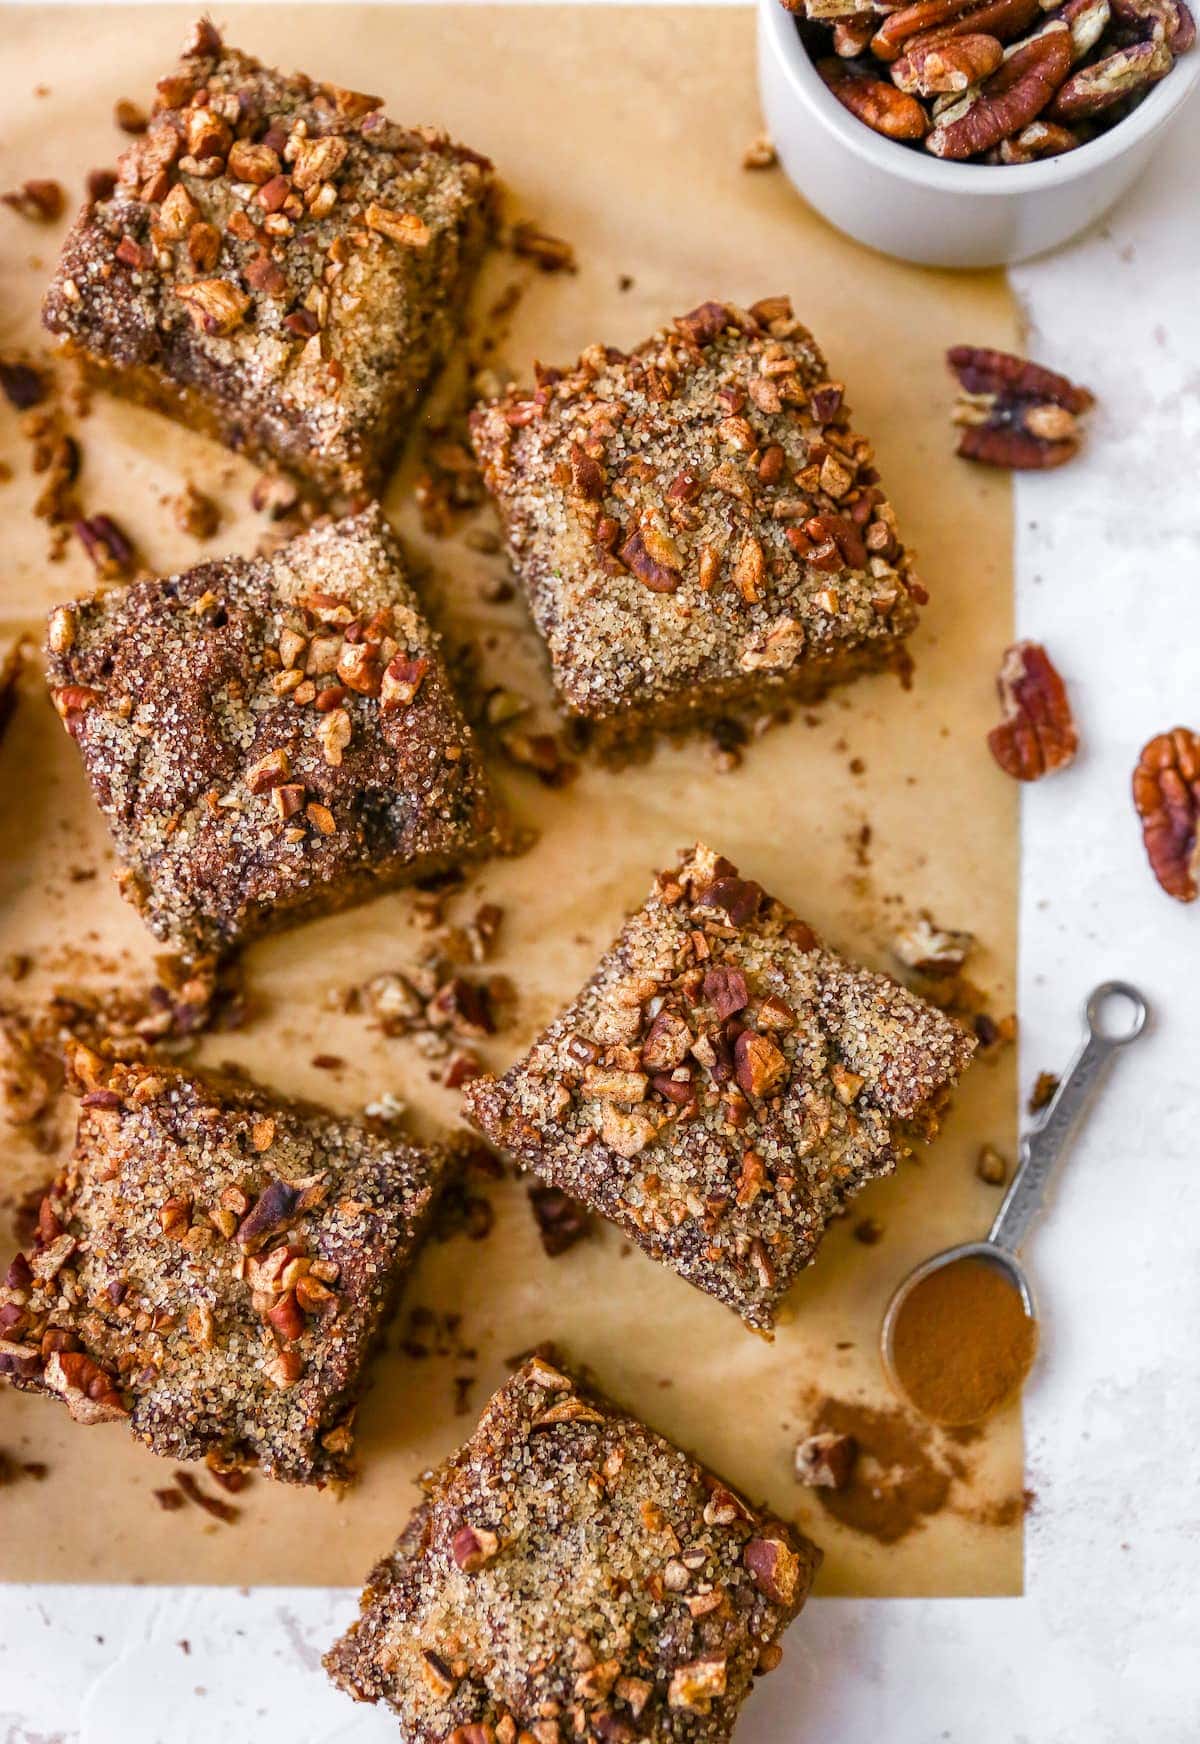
(298, 1230)
(280, 266)
(571, 1573)
(696, 525)
(269, 738)
(723, 1085)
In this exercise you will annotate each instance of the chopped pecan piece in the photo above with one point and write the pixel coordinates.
(550, 253)
(760, 1066)
(215, 305)
(1014, 413)
(21, 384)
(473, 1546)
(406, 228)
(695, 1686)
(650, 558)
(775, 1568)
(561, 1221)
(1166, 792)
(1037, 735)
(990, 1166)
(272, 1213)
(196, 513)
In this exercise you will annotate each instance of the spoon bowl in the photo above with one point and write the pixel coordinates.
(1115, 1014)
(986, 1251)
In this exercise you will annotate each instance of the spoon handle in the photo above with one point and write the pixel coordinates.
(1041, 1149)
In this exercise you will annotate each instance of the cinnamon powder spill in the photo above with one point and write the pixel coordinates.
(897, 1480)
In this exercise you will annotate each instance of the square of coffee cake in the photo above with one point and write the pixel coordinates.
(723, 1085)
(213, 1267)
(269, 737)
(696, 525)
(573, 1575)
(280, 266)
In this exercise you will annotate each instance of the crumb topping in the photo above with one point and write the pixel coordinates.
(573, 1574)
(213, 1266)
(283, 248)
(696, 518)
(724, 1084)
(269, 735)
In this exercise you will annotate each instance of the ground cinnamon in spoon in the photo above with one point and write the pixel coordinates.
(962, 1342)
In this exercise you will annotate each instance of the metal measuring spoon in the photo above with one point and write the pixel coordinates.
(1040, 1151)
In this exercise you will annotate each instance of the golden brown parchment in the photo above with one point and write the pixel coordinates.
(623, 130)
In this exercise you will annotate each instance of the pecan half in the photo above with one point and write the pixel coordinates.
(1097, 87)
(1014, 413)
(1037, 735)
(1167, 21)
(1008, 101)
(1087, 20)
(1005, 19)
(880, 105)
(852, 36)
(1166, 793)
(1040, 139)
(953, 64)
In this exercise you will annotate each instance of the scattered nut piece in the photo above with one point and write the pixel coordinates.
(931, 950)
(1037, 735)
(561, 1221)
(40, 200)
(990, 1166)
(1014, 413)
(196, 514)
(110, 550)
(759, 154)
(550, 253)
(826, 1460)
(1166, 793)
(130, 117)
(1044, 1086)
(21, 384)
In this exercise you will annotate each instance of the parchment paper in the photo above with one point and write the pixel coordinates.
(622, 130)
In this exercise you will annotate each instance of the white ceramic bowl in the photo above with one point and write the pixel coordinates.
(907, 203)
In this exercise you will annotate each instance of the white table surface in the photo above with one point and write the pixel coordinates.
(1105, 1646)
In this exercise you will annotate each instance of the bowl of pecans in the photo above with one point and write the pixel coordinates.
(970, 133)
